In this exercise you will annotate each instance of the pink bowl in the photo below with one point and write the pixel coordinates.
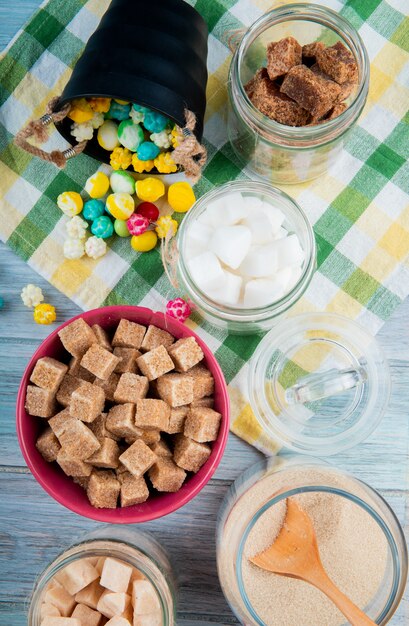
(62, 488)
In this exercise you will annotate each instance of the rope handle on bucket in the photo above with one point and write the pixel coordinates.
(38, 130)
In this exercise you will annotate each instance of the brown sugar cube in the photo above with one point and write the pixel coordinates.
(338, 62)
(185, 353)
(87, 616)
(99, 361)
(77, 337)
(310, 51)
(345, 89)
(203, 382)
(60, 621)
(134, 490)
(189, 454)
(177, 420)
(82, 481)
(337, 110)
(160, 448)
(107, 455)
(207, 401)
(75, 369)
(147, 436)
(59, 597)
(202, 424)
(165, 475)
(60, 421)
(152, 414)
(128, 335)
(78, 440)
(48, 445)
(102, 337)
(138, 458)
(87, 402)
(120, 421)
(131, 388)
(176, 389)
(103, 489)
(155, 363)
(90, 595)
(268, 99)
(156, 337)
(68, 385)
(314, 93)
(48, 373)
(108, 386)
(40, 402)
(77, 575)
(127, 361)
(72, 466)
(282, 56)
(98, 427)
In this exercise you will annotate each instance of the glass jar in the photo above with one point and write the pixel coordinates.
(242, 320)
(136, 548)
(277, 152)
(267, 485)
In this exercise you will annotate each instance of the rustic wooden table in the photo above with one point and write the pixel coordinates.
(33, 528)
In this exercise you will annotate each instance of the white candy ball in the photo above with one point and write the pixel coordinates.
(82, 132)
(31, 295)
(97, 119)
(108, 135)
(76, 227)
(73, 248)
(95, 247)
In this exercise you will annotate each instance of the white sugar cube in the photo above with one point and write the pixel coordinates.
(260, 261)
(231, 244)
(111, 604)
(275, 216)
(262, 292)
(60, 598)
(60, 621)
(118, 621)
(260, 227)
(211, 215)
(281, 233)
(144, 598)
(289, 251)
(230, 292)
(235, 210)
(155, 619)
(252, 203)
(77, 575)
(206, 271)
(115, 575)
(296, 273)
(197, 239)
(86, 616)
(90, 595)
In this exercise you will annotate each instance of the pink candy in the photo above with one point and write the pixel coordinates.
(179, 309)
(137, 224)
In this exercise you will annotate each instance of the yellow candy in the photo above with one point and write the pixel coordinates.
(165, 224)
(181, 197)
(141, 166)
(100, 105)
(120, 205)
(121, 101)
(150, 189)
(80, 111)
(175, 137)
(44, 314)
(165, 164)
(70, 203)
(97, 185)
(121, 158)
(145, 242)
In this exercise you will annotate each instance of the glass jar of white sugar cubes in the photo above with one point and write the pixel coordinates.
(115, 574)
(247, 253)
(360, 541)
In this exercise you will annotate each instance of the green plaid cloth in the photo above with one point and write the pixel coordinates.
(359, 208)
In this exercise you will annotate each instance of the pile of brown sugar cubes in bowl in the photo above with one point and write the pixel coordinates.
(123, 410)
(304, 85)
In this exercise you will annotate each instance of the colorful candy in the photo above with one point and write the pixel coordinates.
(107, 136)
(137, 224)
(130, 135)
(1, 302)
(121, 228)
(148, 210)
(181, 197)
(102, 227)
(93, 209)
(76, 227)
(95, 247)
(141, 166)
(70, 203)
(100, 104)
(138, 113)
(179, 309)
(147, 151)
(145, 242)
(73, 248)
(80, 111)
(155, 122)
(120, 205)
(44, 314)
(82, 132)
(120, 159)
(162, 139)
(97, 185)
(165, 225)
(165, 164)
(150, 189)
(31, 295)
(122, 182)
(118, 111)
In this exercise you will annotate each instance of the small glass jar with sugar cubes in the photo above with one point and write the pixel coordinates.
(124, 568)
(246, 255)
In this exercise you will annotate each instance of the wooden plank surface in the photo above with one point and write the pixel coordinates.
(33, 528)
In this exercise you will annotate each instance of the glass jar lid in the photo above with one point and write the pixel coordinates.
(319, 383)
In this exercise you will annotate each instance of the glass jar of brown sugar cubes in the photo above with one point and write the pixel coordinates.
(298, 83)
(113, 577)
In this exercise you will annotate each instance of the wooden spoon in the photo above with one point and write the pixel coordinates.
(295, 554)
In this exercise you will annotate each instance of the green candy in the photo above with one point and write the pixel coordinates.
(130, 135)
(121, 228)
(122, 182)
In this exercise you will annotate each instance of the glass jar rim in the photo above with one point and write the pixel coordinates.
(297, 136)
(249, 314)
(400, 566)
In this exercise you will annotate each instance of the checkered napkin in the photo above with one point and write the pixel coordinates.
(360, 209)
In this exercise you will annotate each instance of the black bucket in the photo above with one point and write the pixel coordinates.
(150, 52)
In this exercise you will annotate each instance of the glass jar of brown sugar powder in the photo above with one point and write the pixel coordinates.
(298, 83)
